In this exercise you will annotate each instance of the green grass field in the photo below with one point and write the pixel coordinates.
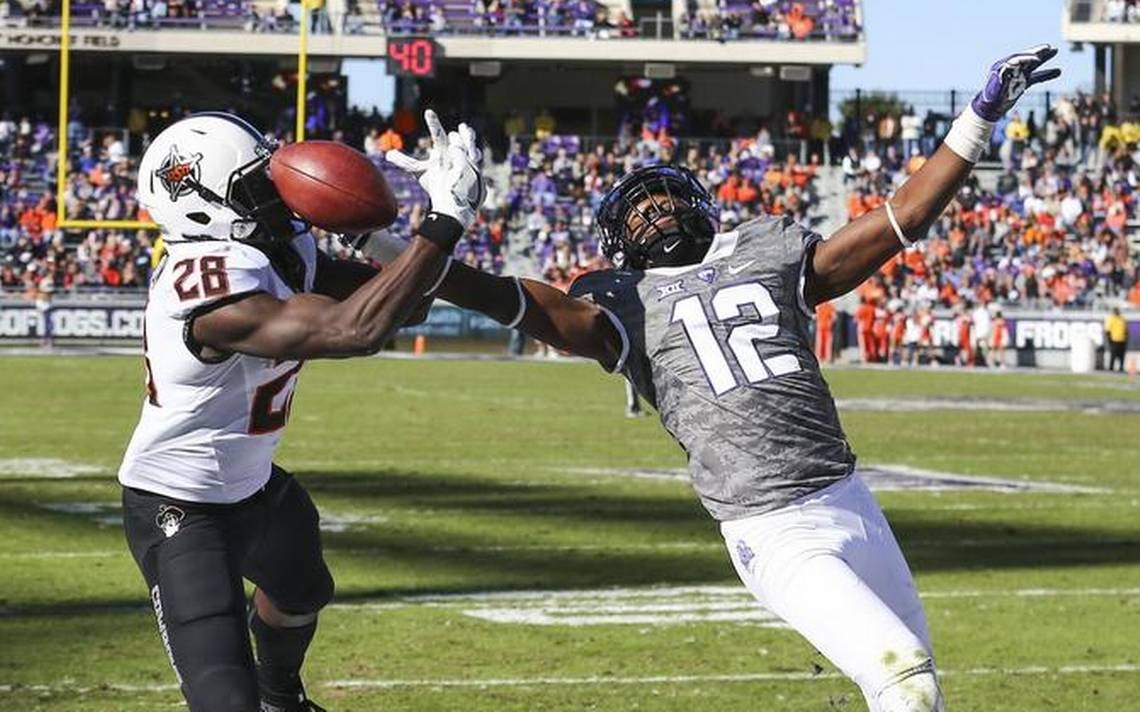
(464, 477)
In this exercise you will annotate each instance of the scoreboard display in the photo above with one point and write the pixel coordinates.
(413, 56)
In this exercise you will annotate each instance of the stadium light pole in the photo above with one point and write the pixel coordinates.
(61, 140)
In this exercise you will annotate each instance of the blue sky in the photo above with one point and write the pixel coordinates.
(927, 45)
(948, 44)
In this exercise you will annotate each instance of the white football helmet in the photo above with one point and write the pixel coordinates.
(205, 177)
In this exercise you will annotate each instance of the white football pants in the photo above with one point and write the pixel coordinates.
(830, 567)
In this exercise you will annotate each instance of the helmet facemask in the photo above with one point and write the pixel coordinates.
(657, 216)
(263, 215)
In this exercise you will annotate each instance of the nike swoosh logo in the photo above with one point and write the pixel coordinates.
(670, 248)
(737, 269)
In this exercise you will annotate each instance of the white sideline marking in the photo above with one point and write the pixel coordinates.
(884, 477)
(1021, 405)
(592, 680)
(742, 677)
(109, 514)
(661, 606)
(99, 554)
(44, 468)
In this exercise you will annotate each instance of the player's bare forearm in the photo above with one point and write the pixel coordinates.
(564, 322)
(340, 279)
(317, 326)
(861, 247)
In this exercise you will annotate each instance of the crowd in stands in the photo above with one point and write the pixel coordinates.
(34, 256)
(771, 19)
(1048, 229)
(249, 15)
(1051, 231)
(576, 18)
(558, 181)
(724, 20)
(1121, 11)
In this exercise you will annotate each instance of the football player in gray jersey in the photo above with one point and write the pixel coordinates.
(712, 329)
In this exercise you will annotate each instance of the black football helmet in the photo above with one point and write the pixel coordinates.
(678, 219)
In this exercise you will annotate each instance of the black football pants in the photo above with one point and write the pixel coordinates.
(194, 557)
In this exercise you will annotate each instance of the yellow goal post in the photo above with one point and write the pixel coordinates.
(65, 223)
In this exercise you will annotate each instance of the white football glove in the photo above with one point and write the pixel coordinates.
(450, 174)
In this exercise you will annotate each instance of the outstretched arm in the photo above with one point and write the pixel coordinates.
(860, 247)
(539, 310)
(857, 250)
(316, 325)
(340, 279)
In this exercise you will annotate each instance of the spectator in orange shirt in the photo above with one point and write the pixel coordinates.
(880, 330)
(800, 23)
(390, 141)
(747, 192)
(998, 340)
(865, 323)
(897, 335)
(824, 323)
(1134, 294)
(948, 295)
(726, 193)
(965, 356)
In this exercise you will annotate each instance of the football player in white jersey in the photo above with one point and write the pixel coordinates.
(241, 300)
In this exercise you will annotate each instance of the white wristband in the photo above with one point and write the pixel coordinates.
(906, 241)
(522, 306)
(969, 135)
(439, 280)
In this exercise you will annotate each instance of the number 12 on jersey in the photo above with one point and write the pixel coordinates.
(727, 304)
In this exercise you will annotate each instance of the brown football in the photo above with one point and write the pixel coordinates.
(333, 187)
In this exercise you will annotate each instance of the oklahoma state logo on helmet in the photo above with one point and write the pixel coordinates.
(178, 173)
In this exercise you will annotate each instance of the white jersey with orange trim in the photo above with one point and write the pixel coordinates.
(209, 427)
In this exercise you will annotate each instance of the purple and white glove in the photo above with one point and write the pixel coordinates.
(1008, 79)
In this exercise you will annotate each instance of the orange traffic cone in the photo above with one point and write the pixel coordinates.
(419, 345)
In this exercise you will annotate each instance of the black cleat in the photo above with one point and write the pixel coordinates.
(302, 705)
(296, 701)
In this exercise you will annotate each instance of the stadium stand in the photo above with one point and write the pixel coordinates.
(1121, 11)
(1048, 229)
(721, 20)
(771, 20)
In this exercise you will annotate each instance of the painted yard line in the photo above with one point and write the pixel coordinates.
(1024, 405)
(1032, 593)
(686, 679)
(45, 468)
(880, 477)
(557, 617)
(95, 554)
(691, 597)
(593, 680)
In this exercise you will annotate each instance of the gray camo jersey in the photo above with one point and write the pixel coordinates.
(722, 351)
